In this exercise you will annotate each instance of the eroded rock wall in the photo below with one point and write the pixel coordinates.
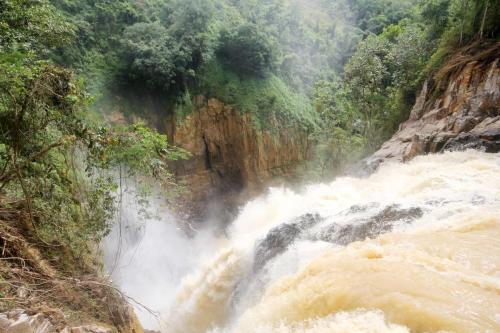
(465, 115)
(232, 160)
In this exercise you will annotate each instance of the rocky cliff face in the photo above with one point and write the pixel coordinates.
(466, 114)
(231, 160)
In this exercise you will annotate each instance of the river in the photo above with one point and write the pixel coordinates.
(412, 248)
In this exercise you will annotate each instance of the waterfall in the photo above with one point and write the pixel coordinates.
(412, 248)
(147, 253)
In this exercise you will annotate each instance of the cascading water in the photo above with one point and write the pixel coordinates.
(414, 247)
(147, 254)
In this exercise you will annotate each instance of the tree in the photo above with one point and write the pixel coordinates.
(339, 139)
(367, 76)
(247, 50)
(167, 52)
(40, 126)
(31, 25)
(374, 15)
(53, 160)
(435, 14)
(190, 23)
(154, 56)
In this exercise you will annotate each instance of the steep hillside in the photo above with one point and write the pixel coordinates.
(38, 294)
(456, 110)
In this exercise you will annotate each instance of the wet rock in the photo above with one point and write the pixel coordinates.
(485, 137)
(463, 115)
(276, 242)
(328, 234)
(469, 141)
(18, 321)
(88, 329)
(360, 208)
(365, 167)
(440, 140)
(231, 160)
(380, 223)
(478, 200)
(394, 213)
(307, 221)
(418, 109)
(279, 239)
(416, 147)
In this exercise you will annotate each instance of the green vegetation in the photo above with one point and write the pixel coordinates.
(174, 46)
(347, 71)
(284, 61)
(60, 171)
(53, 159)
(268, 99)
(247, 50)
(405, 44)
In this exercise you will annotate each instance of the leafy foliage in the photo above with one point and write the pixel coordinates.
(137, 147)
(273, 104)
(153, 54)
(282, 61)
(339, 137)
(46, 141)
(31, 25)
(247, 50)
(168, 43)
(40, 126)
(383, 75)
(167, 52)
(380, 80)
(374, 16)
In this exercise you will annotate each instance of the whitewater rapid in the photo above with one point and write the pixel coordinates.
(412, 248)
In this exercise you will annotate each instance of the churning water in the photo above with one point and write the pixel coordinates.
(413, 248)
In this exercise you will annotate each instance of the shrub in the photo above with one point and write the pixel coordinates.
(247, 50)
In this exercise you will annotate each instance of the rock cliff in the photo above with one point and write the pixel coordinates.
(232, 159)
(458, 109)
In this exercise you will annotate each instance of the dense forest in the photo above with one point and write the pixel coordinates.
(346, 71)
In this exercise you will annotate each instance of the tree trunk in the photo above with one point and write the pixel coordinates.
(464, 12)
(484, 19)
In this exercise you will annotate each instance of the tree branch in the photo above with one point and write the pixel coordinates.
(6, 177)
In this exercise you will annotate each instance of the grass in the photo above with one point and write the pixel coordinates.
(271, 102)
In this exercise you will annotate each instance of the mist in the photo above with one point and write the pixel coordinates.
(147, 253)
(147, 256)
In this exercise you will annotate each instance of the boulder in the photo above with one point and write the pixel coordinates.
(18, 321)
